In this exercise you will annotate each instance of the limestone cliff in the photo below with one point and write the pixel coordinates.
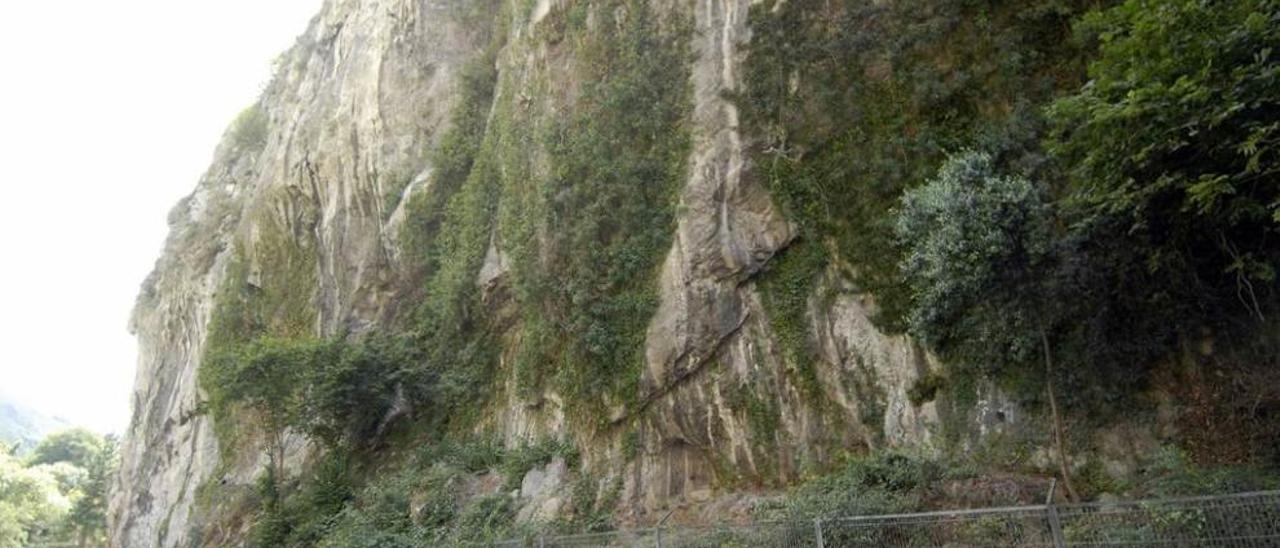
(355, 105)
(335, 209)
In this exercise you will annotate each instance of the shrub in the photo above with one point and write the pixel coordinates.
(478, 455)
(854, 102)
(884, 482)
(1172, 473)
(348, 388)
(978, 252)
(486, 518)
(271, 525)
(1175, 146)
(249, 130)
(335, 391)
(321, 496)
(926, 388)
(521, 460)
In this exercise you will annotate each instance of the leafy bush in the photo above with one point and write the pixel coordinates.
(249, 130)
(321, 496)
(885, 482)
(854, 102)
(521, 460)
(333, 390)
(477, 455)
(59, 495)
(1174, 146)
(31, 504)
(263, 376)
(379, 517)
(271, 525)
(349, 387)
(926, 388)
(1172, 473)
(486, 518)
(979, 248)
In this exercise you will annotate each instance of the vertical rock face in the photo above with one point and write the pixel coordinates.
(347, 120)
(710, 343)
(345, 134)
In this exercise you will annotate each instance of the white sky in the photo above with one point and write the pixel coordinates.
(109, 113)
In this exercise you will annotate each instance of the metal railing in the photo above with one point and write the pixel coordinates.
(1240, 520)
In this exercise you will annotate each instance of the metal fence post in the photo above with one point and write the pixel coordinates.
(542, 541)
(662, 522)
(817, 533)
(1055, 524)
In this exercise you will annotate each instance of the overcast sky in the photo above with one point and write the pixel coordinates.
(109, 113)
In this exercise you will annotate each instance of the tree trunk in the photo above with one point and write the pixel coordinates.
(278, 455)
(1057, 418)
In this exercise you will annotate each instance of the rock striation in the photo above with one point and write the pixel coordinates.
(344, 135)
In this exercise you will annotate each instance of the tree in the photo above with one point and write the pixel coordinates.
(77, 446)
(349, 388)
(980, 263)
(1174, 145)
(30, 503)
(88, 517)
(264, 377)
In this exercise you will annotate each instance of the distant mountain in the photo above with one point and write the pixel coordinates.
(23, 425)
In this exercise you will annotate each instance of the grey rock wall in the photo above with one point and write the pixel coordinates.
(352, 115)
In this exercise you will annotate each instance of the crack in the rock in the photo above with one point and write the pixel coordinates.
(680, 380)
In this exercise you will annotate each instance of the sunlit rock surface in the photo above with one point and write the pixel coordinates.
(351, 117)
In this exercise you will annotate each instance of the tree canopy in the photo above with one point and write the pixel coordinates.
(60, 493)
(1174, 145)
(978, 246)
(77, 446)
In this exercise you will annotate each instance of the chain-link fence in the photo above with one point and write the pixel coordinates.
(1241, 520)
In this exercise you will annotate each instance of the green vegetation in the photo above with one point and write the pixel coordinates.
(430, 499)
(334, 391)
(249, 130)
(587, 235)
(1172, 474)
(943, 156)
(519, 461)
(76, 446)
(926, 388)
(882, 483)
(1094, 229)
(59, 494)
(272, 309)
(856, 102)
(978, 245)
(786, 287)
(1173, 165)
(452, 160)
(980, 263)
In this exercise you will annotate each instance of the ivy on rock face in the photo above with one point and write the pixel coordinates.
(586, 238)
(1161, 171)
(857, 102)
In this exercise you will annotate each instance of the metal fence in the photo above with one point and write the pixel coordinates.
(1241, 520)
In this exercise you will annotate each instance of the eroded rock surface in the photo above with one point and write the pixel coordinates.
(351, 119)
